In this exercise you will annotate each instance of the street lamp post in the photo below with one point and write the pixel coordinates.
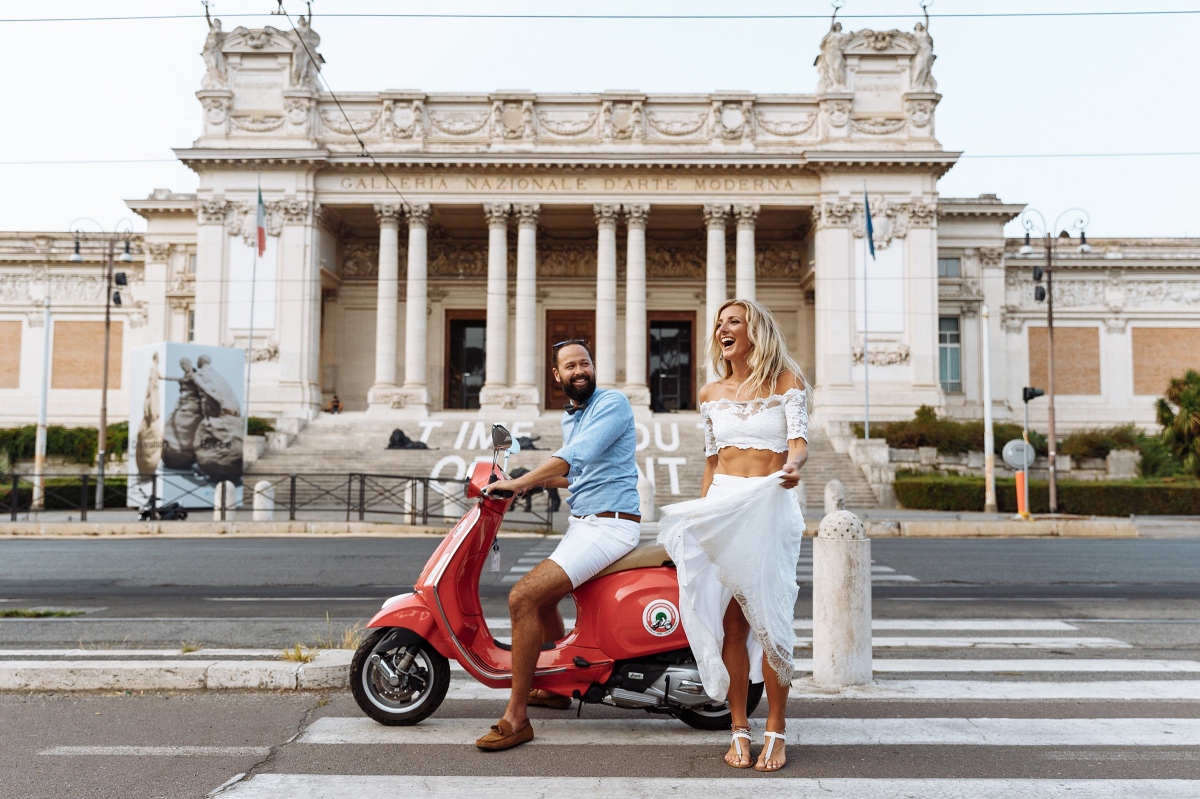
(124, 231)
(1078, 220)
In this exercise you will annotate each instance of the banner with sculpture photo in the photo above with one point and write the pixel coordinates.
(186, 423)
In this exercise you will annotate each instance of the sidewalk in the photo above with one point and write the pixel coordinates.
(170, 670)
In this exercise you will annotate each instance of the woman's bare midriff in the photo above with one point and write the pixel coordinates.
(749, 462)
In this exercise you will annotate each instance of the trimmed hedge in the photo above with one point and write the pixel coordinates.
(65, 493)
(1084, 498)
(950, 437)
(75, 443)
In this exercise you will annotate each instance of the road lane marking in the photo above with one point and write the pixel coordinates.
(802, 732)
(1004, 666)
(338, 786)
(157, 751)
(1008, 690)
(973, 625)
(974, 642)
(295, 598)
(803, 688)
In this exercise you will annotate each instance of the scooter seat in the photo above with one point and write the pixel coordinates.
(645, 556)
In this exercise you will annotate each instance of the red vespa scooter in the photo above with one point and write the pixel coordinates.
(628, 648)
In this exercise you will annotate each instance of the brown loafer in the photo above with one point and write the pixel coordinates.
(540, 698)
(503, 737)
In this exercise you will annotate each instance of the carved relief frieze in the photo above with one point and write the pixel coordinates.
(838, 112)
(296, 109)
(350, 124)
(360, 261)
(216, 109)
(677, 124)
(14, 288)
(257, 124)
(836, 214)
(460, 259)
(158, 252)
(919, 111)
(459, 123)
(403, 120)
(882, 353)
(212, 212)
(567, 124)
(877, 126)
(776, 260)
(991, 256)
(677, 260)
(623, 121)
(512, 120)
(732, 121)
(785, 128)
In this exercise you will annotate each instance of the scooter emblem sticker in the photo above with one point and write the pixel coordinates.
(661, 617)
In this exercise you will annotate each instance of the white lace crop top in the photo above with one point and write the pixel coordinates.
(764, 423)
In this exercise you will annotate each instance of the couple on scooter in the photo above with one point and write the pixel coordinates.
(741, 540)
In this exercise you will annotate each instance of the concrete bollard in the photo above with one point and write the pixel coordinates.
(224, 501)
(841, 602)
(835, 497)
(264, 501)
(649, 508)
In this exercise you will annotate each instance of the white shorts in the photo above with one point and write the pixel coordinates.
(591, 544)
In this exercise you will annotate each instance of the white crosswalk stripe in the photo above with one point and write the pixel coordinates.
(330, 786)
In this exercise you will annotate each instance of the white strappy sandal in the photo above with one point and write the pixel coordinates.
(740, 734)
(765, 757)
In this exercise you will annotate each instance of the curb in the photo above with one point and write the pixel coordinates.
(329, 669)
(227, 530)
(1048, 528)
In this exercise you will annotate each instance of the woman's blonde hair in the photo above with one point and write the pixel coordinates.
(768, 357)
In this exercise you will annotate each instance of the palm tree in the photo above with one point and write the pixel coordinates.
(1179, 414)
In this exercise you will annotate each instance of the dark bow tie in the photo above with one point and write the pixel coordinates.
(572, 409)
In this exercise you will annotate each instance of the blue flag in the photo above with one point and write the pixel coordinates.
(870, 227)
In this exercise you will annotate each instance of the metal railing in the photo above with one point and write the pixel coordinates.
(348, 497)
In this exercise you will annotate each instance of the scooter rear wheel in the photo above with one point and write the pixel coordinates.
(421, 689)
(718, 717)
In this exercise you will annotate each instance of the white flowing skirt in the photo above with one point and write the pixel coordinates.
(741, 541)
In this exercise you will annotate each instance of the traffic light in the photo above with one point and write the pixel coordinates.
(1031, 393)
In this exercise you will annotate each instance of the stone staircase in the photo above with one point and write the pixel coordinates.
(670, 452)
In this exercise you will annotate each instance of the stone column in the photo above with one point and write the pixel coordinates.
(525, 327)
(496, 342)
(636, 387)
(833, 316)
(416, 321)
(606, 294)
(386, 304)
(747, 217)
(210, 302)
(715, 292)
(298, 329)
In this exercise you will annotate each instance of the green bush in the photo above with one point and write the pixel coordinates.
(1097, 442)
(74, 443)
(260, 427)
(925, 429)
(1157, 459)
(1142, 497)
(1178, 411)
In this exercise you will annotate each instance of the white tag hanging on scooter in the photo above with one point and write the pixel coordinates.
(496, 556)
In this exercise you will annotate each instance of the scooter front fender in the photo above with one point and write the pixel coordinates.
(410, 612)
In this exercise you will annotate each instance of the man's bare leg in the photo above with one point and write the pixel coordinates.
(543, 587)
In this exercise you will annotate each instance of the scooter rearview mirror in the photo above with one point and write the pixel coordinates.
(502, 439)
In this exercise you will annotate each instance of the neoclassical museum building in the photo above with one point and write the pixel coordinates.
(424, 250)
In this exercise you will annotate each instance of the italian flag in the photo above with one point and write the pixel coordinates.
(261, 223)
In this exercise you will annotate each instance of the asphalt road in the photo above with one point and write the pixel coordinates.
(1129, 611)
(267, 592)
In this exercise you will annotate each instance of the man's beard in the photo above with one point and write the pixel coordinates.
(580, 394)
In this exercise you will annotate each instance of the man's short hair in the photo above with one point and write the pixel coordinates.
(578, 342)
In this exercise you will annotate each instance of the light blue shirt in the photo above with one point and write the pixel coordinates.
(600, 445)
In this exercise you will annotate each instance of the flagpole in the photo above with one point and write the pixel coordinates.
(253, 286)
(866, 322)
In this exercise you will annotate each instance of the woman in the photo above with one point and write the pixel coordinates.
(742, 539)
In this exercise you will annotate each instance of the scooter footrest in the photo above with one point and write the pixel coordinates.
(507, 646)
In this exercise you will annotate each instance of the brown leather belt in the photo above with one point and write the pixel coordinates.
(613, 514)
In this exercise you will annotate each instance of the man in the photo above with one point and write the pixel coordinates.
(597, 464)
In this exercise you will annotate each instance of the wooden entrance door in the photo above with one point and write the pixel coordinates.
(561, 326)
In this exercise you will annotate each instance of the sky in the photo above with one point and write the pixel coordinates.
(1015, 86)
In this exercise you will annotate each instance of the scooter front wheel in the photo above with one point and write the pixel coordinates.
(405, 686)
(718, 717)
